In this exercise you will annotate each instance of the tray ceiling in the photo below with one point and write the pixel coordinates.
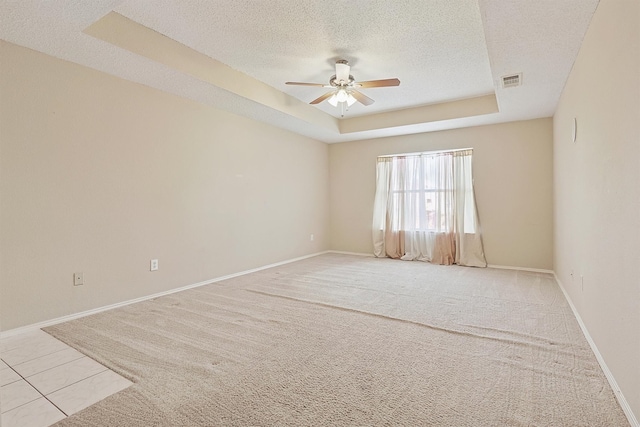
(236, 55)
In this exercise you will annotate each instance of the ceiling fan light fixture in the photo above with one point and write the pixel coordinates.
(342, 95)
(350, 100)
(333, 100)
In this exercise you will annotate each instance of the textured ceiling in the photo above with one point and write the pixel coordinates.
(236, 55)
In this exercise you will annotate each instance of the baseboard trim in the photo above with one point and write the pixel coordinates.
(508, 267)
(44, 324)
(607, 373)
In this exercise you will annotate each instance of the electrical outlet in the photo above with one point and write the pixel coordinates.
(154, 264)
(78, 279)
(311, 238)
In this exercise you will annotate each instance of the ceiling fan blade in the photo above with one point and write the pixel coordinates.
(361, 97)
(342, 70)
(322, 98)
(304, 84)
(379, 83)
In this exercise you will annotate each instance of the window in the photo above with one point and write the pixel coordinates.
(423, 199)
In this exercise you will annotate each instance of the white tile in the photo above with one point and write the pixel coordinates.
(61, 376)
(20, 340)
(32, 349)
(49, 361)
(87, 392)
(8, 376)
(17, 394)
(3, 365)
(39, 413)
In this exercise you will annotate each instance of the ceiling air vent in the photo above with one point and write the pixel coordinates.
(512, 80)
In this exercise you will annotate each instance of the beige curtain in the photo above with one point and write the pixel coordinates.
(425, 209)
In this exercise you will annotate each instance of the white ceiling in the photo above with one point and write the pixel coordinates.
(441, 50)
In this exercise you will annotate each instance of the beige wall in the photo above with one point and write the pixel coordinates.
(597, 189)
(100, 175)
(513, 184)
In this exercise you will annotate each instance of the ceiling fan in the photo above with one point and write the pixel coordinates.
(345, 87)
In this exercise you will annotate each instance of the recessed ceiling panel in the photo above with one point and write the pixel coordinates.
(436, 48)
(448, 54)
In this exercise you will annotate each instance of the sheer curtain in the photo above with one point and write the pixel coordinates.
(425, 209)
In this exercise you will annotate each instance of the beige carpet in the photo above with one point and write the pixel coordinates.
(340, 340)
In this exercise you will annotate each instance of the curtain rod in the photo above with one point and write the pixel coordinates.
(426, 152)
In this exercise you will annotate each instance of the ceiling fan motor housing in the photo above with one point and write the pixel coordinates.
(333, 81)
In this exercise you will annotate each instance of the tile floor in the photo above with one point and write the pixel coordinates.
(43, 380)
